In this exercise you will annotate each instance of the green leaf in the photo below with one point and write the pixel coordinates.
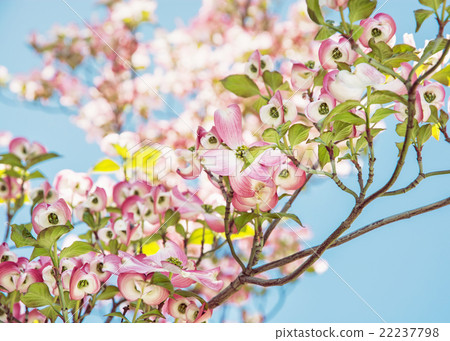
(11, 159)
(243, 219)
(274, 79)
(51, 312)
(360, 9)
(421, 15)
(271, 135)
(361, 143)
(119, 315)
(88, 218)
(397, 60)
(381, 50)
(37, 295)
(341, 130)
(162, 281)
(253, 153)
(153, 312)
(283, 128)
(35, 175)
(315, 12)
(197, 236)
(424, 134)
(349, 117)
(343, 66)
(381, 114)
(259, 103)
(171, 218)
(187, 293)
(284, 87)
(318, 80)
(109, 292)
(21, 235)
(324, 156)
(343, 107)
(399, 147)
(51, 235)
(39, 251)
(298, 133)
(325, 33)
(241, 85)
(357, 32)
(443, 76)
(283, 215)
(433, 47)
(402, 48)
(77, 249)
(180, 230)
(434, 4)
(106, 165)
(41, 158)
(385, 96)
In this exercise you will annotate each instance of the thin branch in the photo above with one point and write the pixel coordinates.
(353, 235)
(415, 182)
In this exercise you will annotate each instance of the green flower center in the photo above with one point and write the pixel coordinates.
(376, 32)
(336, 54)
(263, 64)
(274, 112)
(310, 64)
(100, 267)
(253, 68)
(161, 200)
(241, 152)
(4, 258)
(95, 200)
(3, 188)
(53, 218)
(212, 140)
(284, 173)
(175, 261)
(82, 284)
(109, 234)
(182, 308)
(429, 97)
(324, 109)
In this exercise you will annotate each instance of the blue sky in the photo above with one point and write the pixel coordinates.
(399, 272)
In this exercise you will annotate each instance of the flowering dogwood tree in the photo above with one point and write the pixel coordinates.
(193, 213)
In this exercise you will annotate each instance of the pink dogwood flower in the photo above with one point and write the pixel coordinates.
(83, 282)
(17, 276)
(381, 28)
(25, 150)
(125, 189)
(278, 111)
(319, 109)
(289, 177)
(257, 64)
(332, 51)
(46, 215)
(302, 77)
(9, 188)
(134, 286)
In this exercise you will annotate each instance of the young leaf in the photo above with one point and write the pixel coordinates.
(197, 237)
(171, 218)
(119, 315)
(271, 135)
(274, 79)
(78, 248)
(109, 292)
(434, 4)
(350, 118)
(163, 281)
(50, 235)
(298, 133)
(41, 158)
(360, 9)
(243, 219)
(153, 312)
(421, 15)
(22, 236)
(37, 295)
(381, 114)
(39, 251)
(424, 134)
(241, 85)
(106, 165)
(385, 96)
(443, 76)
(314, 11)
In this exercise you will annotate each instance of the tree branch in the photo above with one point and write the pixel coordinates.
(353, 235)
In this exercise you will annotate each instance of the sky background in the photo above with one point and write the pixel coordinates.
(399, 273)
